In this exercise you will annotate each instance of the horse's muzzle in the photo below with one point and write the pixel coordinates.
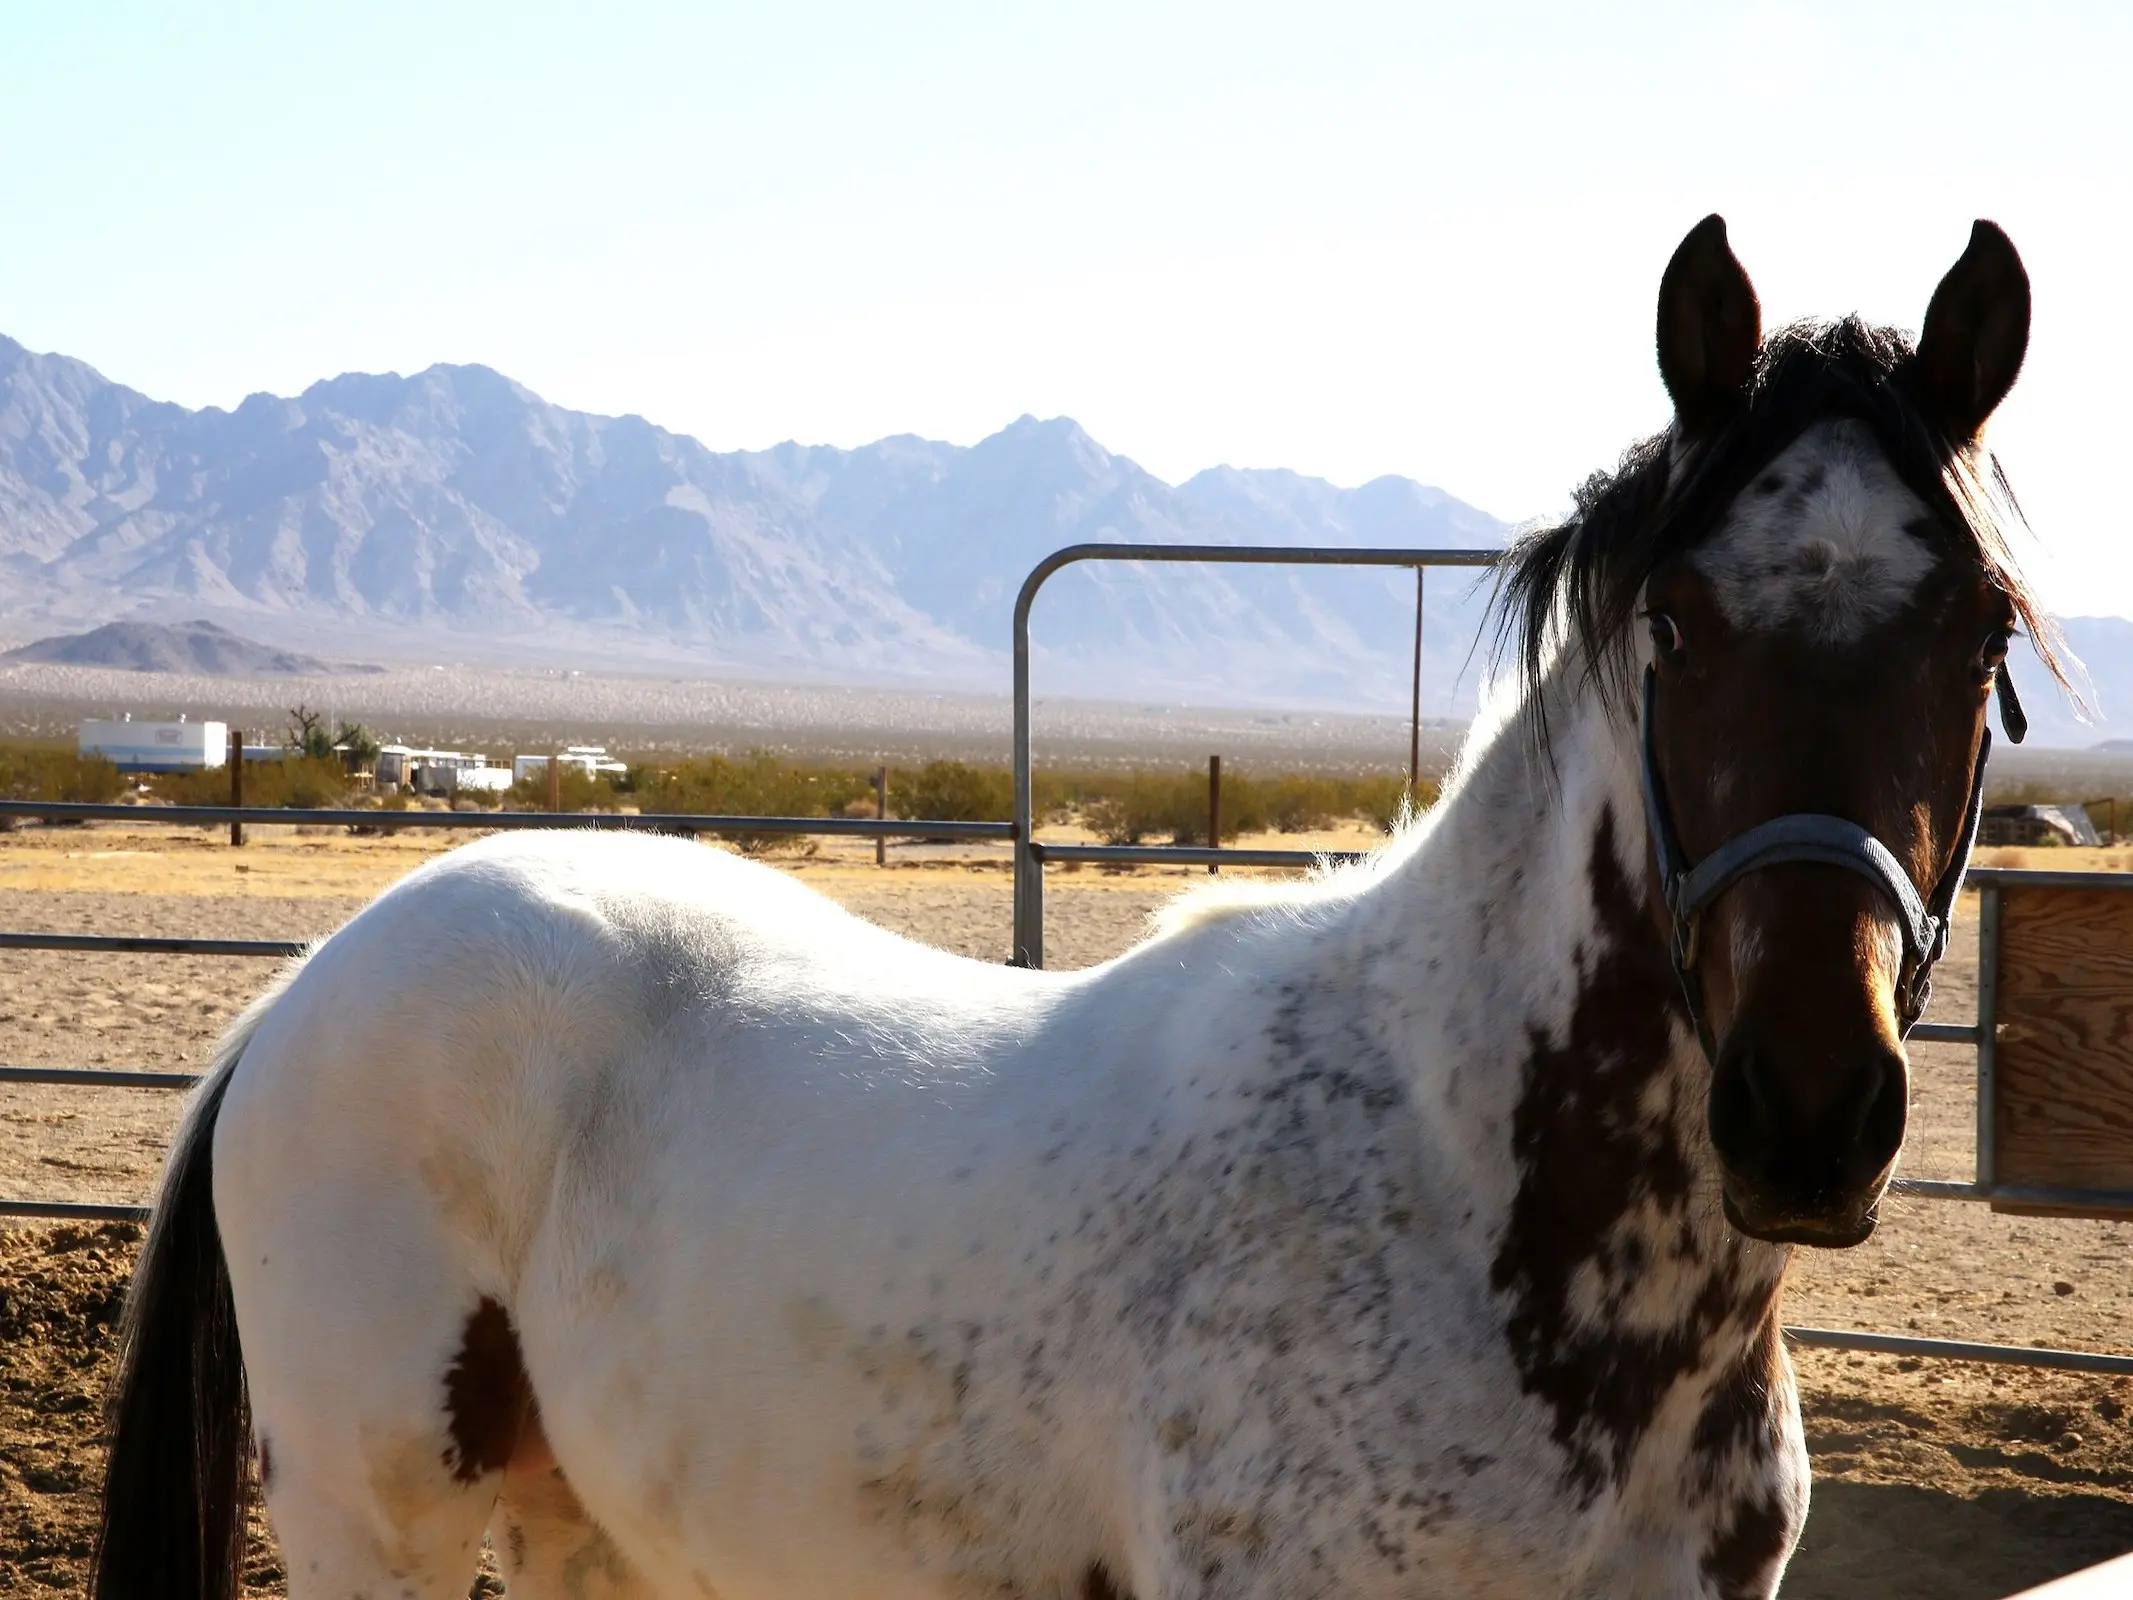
(1806, 1140)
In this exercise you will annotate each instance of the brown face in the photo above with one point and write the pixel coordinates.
(1829, 649)
(1798, 675)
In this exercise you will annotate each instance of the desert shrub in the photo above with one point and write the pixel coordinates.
(306, 783)
(1121, 807)
(576, 790)
(1134, 808)
(950, 791)
(1306, 802)
(53, 772)
(755, 785)
(210, 786)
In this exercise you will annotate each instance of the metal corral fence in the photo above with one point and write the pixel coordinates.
(2023, 1162)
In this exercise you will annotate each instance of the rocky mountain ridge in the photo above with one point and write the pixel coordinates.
(457, 505)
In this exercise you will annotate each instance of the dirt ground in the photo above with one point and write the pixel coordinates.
(1948, 1480)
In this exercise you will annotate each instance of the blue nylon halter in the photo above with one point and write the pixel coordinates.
(1828, 841)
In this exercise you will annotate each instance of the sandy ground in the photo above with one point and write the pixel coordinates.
(1933, 1479)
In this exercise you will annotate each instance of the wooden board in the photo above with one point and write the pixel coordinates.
(2063, 1071)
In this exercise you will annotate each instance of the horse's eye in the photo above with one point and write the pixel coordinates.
(1993, 651)
(1666, 637)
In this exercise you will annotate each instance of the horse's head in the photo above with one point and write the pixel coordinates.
(1825, 612)
(1802, 588)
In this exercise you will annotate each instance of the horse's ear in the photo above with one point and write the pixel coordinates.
(1977, 331)
(1710, 327)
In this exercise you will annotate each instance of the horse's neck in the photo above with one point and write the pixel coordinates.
(1550, 1047)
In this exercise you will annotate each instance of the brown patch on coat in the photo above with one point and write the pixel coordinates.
(1097, 1585)
(1741, 1561)
(1742, 1414)
(1589, 1153)
(487, 1397)
(1742, 1419)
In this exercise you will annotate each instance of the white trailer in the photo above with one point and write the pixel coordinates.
(590, 759)
(481, 780)
(179, 746)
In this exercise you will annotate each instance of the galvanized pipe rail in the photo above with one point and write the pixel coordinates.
(151, 945)
(1028, 943)
(2005, 1355)
(510, 821)
(100, 1077)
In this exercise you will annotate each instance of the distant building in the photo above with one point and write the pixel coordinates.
(429, 771)
(481, 780)
(590, 759)
(179, 746)
(2035, 825)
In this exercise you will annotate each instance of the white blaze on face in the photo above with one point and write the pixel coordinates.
(1820, 540)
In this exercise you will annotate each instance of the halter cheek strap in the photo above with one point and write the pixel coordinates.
(1826, 841)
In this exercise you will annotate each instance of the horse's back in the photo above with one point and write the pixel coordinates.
(538, 1006)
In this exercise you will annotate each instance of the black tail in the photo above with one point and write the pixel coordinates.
(178, 1476)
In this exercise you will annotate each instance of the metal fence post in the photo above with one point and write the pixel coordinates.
(1214, 809)
(1026, 948)
(236, 783)
(1988, 1015)
(1414, 722)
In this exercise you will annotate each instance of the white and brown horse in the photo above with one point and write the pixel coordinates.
(1414, 1231)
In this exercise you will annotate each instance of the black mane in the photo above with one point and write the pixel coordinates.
(1628, 523)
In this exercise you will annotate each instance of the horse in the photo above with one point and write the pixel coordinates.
(1414, 1229)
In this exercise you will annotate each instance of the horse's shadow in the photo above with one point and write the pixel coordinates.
(1893, 1541)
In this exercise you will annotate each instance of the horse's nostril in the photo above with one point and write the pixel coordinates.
(1759, 1084)
(1739, 1109)
(1887, 1109)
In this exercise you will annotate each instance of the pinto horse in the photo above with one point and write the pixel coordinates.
(1416, 1230)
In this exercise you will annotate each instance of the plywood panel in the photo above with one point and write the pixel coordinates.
(2063, 1079)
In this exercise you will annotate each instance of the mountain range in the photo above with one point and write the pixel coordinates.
(197, 647)
(387, 513)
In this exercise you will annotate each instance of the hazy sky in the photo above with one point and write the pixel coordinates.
(1346, 239)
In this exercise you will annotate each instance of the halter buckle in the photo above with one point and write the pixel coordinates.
(1688, 939)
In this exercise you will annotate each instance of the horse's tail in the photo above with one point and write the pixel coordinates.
(176, 1481)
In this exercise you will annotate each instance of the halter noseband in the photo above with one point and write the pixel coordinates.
(1827, 841)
